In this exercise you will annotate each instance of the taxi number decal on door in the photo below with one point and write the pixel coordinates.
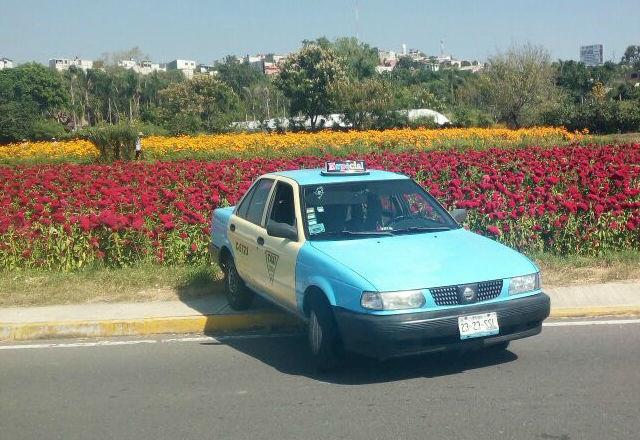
(272, 262)
(242, 248)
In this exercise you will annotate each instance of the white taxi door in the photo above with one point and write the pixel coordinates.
(246, 225)
(277, 274)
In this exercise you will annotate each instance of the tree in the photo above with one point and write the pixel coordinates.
(203, 103)
(35, 83)
(306, 79)
(239, 75)
(632, 56)
(517, 85)
(360, 58)
(112, 58)
(574, 78)
(29, 94)
(364, 104)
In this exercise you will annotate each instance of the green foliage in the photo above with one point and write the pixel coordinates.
(33, 83)
(239, 75)
(519, 87)
(203, 103)
(365, 104)
(360, 58)
(29, 94)
(115, 142)
(516, 85)
(597, 116)
(307, 78)
(46, 129)
(632, 56)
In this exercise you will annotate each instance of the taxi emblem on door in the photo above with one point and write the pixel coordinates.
(272, 262)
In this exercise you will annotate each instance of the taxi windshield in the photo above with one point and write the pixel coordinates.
(373, 208)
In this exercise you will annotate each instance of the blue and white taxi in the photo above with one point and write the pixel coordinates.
(373, 264)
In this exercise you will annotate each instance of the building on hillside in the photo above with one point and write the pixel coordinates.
(206, 69)
(143, 67)
(6, 63)
(61, 64)
(386, 56)
(417, 55)
(473, 68)
(381, 69)
(271, 68)
(127, 64)
(257, 61)
(592, 55)
(146, 67)
(187, 67)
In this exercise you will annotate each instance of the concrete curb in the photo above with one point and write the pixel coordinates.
(217, 323)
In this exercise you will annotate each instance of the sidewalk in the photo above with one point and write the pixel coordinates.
(212, 314)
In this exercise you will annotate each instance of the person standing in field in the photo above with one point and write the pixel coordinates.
(139, 145)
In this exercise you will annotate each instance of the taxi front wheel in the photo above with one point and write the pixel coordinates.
(324, 337)
(239, 295)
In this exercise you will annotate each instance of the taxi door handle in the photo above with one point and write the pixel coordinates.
(232, 227)
(260, 241)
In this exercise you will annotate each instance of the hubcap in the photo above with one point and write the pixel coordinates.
(315, 333)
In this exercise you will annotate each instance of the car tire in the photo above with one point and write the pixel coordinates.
(324, 340)
(238, 294)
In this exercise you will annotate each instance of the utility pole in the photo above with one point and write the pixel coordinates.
(357, 19)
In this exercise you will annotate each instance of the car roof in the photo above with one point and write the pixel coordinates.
(314, 176)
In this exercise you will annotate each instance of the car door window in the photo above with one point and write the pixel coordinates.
(258, 201)
(246, 201)
(282, 209)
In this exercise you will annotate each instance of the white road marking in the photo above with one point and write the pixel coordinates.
(583, 323)
(221, 339)
(210, 339)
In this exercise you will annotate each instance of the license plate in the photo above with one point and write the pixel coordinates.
(476, 326)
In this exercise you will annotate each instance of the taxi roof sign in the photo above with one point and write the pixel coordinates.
(345, 167)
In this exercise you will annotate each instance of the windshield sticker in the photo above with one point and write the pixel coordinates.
(272, 262)
(319, 192)
(312, 221)
(320, 208)
(311, 216)
(316, 229)
(310, 211)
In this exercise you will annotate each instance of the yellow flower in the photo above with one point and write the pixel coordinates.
(257, 144)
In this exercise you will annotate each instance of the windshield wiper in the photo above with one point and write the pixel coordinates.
(422, 229)
(366, 233)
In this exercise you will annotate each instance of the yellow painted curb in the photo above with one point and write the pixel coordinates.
(592, 312)
(145, 326)
(213, 324)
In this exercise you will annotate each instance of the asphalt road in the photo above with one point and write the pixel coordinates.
(570, 382)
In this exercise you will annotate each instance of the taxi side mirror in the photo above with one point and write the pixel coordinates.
(459, 215)
(282, 230)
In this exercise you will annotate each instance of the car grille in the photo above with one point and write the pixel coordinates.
(448, 296)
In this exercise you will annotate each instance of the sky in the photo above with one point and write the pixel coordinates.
(32, 30)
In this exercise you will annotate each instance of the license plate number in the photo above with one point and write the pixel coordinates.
(476, 326)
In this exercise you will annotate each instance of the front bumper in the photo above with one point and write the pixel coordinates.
(385, 336)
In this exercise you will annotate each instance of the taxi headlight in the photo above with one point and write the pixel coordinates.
(405, 299)
(525, 283)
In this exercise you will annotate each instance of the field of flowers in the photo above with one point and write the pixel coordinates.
(297, 144)
(566, 200)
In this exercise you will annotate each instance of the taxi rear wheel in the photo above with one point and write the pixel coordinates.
(324, 338)
(239, 295)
